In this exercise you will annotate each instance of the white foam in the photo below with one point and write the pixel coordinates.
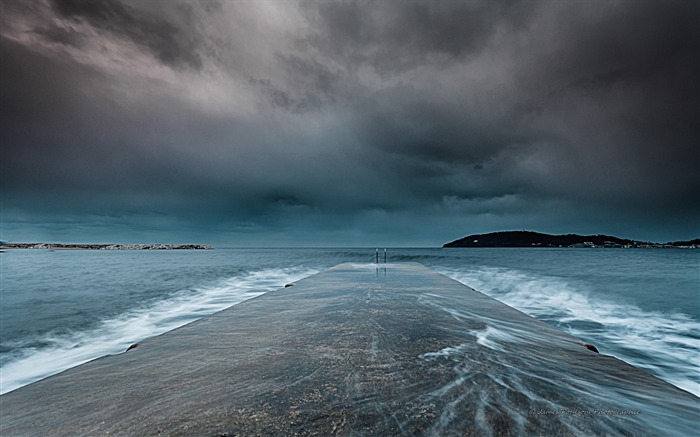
(115, 335)
(665, 344)
(447, 352)
(493, 338)
(363, 266)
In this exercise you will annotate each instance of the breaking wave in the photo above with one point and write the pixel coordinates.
(32, 359)
(666, 345)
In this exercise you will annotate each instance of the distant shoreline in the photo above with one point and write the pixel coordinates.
(60, 246)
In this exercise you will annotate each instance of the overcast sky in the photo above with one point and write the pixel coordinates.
(313, 123)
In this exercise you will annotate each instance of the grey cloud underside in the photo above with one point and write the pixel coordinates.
(346, 110)
(173, 41)
(607, 87)
(393, 39)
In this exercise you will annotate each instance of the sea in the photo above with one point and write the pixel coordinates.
(61, 308)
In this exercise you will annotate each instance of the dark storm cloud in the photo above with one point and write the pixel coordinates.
(409, 120)
(393, 37)
(601, 98)
(172, 42)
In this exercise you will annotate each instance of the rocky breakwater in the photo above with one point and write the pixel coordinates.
(105, 246)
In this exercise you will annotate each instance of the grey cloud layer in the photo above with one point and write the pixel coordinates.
(173, 42)
(337, 114)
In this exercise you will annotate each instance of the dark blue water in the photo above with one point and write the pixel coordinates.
(61, 308)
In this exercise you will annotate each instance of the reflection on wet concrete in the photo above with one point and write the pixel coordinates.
(359, 349)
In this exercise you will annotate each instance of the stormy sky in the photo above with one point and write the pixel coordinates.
(363, 123)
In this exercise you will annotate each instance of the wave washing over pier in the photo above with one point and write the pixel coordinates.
(396, 349)
(62, 308)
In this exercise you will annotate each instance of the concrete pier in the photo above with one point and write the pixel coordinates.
(393, 349)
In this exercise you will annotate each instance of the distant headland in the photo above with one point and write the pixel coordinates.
(58, 246)
(536, 239)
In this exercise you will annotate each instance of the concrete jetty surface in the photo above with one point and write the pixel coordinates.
(394, 349)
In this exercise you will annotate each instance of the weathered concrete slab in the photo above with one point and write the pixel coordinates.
(356, 350)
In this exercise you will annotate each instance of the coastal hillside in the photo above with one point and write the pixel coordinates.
(536, 239)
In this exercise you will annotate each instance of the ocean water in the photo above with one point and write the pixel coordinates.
(59, 308)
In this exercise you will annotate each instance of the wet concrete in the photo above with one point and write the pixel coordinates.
(356, 350)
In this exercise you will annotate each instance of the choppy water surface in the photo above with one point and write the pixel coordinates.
(61, 308)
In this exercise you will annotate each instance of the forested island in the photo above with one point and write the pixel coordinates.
(59, 246)
(536, 239)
